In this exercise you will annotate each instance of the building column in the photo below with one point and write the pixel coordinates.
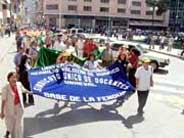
(94, 23)
(62, 22)
(79, 22)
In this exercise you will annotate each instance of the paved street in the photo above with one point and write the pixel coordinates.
(163, 114)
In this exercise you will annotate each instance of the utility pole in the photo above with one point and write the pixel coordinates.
(59, 14)
(177, 16)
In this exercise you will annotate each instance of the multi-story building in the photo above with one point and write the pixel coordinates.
(1, 11)
(39, 12)
(176, 20)
(17, 12)
(102, 13)
(6, 11)
(30, 10)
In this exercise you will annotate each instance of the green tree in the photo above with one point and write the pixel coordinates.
(162, 5)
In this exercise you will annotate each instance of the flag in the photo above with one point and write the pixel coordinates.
(48, 57)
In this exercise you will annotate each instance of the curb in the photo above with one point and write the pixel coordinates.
(168, 54)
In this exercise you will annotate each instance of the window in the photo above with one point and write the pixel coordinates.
(104, 1)
(149, 12)
(104, 9)
(120, 10)
(135, 12)
(87, 8)
(121, 1)
(52, 7)
(72, 8)
(136, 3)
(87, 0)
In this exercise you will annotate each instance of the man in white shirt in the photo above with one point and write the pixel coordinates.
(144, 80)
(80, 45)
(59, 44)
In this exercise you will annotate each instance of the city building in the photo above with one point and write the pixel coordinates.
(176, 20)
(30, 11)
(1, 11)
(5, 8)
(17, 12)
(40, 20)
(114, 14)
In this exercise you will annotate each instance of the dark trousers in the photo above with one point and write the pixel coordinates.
(142, 98)
(30, 98)
(131, 77)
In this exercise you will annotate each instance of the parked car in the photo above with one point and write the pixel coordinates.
(156, 61)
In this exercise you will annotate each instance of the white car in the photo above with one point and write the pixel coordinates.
(156, 60)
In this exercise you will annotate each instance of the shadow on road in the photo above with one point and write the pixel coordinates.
(162, 72)
(133, 119)
(182, 112)
(55, 111)
(41, 123)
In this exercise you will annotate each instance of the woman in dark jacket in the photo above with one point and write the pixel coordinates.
(23, 78)
(122, 60)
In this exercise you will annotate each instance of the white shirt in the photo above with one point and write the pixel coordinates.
(60, 46)
(91, 65)
(144, 77)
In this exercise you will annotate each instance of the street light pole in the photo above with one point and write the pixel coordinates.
(59, 14)
(177, 15)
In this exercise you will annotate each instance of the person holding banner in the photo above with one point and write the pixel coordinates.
(122, 60)
(133, 60)
(12, 106)
(91, 64)
(144, 80)
(22, 71)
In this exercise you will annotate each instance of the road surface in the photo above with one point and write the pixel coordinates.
(163, 113)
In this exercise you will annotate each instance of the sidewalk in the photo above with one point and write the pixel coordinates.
(173, 52)
(6, 43)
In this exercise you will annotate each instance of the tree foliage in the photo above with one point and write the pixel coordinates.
(162, 5)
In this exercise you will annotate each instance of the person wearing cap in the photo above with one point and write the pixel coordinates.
(63, 58)
(144, 80)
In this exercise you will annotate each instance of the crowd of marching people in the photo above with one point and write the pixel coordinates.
(29, 42)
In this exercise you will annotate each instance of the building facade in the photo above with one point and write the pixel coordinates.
(118, 14)
(30, 11)
(176, 20)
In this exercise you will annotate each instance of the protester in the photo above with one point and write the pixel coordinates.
(18, 56)
(133, 60)
(33, 52)
(12, 106)
(91, 64)
(122, 61)
(107, 57)
(48, 40)
(89, 47)
(23, 78)
(144, 80)
(79, 46)
(59, 44)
